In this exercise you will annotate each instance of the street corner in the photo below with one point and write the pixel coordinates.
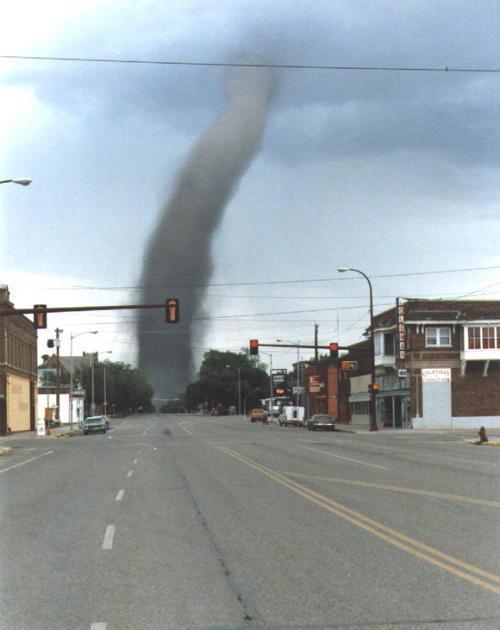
(490, 442)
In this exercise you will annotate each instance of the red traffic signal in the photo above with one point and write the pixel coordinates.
(254, 347)
(334, 350)
(172, 311)
(40, 316)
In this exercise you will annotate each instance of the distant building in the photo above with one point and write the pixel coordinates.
(47, 397)
(18, 373)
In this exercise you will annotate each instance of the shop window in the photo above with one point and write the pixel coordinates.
(436, 337)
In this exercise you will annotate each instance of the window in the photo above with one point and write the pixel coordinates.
(483, 337)
(378, 344)
(389, 344)
(360, 408)
(437, 337)
(488, 337)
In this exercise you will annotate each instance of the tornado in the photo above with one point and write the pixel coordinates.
(178, 258)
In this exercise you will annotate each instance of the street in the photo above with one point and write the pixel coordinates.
(191, 521)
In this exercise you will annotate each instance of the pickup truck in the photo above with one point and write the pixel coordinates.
(95, 423)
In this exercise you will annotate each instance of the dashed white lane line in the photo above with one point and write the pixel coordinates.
(350, 459)
(108, 537)
(98, 625)
(130, 472)
(26, 461)
(187, 430)
(134, 462)
(120, 494)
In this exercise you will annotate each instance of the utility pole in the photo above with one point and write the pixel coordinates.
(58, 375)
(316, 327)
(105, 396)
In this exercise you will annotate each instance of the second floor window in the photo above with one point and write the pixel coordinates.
(435, 337)
(483, 337)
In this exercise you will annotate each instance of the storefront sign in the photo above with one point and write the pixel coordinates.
(401, 330)
(436, 375)
(40, 427)
(349, 365)
(315, 384)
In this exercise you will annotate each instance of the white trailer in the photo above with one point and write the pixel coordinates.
(292, 415)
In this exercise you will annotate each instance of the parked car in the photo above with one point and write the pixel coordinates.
(256, 415)
(321, 421)
(95, 423)
(231, 410)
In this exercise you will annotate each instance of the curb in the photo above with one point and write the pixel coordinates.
(489, 443)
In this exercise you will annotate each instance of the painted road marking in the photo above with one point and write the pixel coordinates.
(26, 461)
(135, 461)
(108, 537)
(392, 536)
(130, 472)
(187, 430)
(383, 486)
(350, 459)
(98, 625)
(120, 494)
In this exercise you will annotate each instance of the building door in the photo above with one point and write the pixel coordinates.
(3, 416)
(436, 399)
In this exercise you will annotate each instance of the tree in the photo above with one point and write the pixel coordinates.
(217, 385)
(127, 388)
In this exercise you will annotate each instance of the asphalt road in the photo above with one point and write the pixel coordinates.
(189, 521)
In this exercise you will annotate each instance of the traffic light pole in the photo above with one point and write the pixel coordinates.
(58, 376)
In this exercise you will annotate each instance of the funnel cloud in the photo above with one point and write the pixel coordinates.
(178, 259)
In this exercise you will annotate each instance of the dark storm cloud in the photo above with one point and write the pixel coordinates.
(317, 113)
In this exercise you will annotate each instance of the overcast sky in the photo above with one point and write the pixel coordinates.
(389, 172)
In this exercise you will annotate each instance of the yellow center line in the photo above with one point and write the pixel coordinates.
(384, 486)
(392, 536)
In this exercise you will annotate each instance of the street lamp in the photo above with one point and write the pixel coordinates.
(373, 415)
(239, 386)
(295, 343)
(270, 382)
(21, 182)
(105, 401)
(92, 363)
(71, 337)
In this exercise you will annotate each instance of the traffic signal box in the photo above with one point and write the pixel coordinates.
(334, 351)
(40, 316)
(172, 311)
(254, 347)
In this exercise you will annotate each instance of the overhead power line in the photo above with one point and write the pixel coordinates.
(222, 64)
(270, 282)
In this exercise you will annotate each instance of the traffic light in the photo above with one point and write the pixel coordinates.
(40, 316)
(172, 307)
(376, 387)
(334, 351)
(254, 347)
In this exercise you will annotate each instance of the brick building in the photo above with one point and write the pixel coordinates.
(18, 370)
(321, 383)
(438, 364)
